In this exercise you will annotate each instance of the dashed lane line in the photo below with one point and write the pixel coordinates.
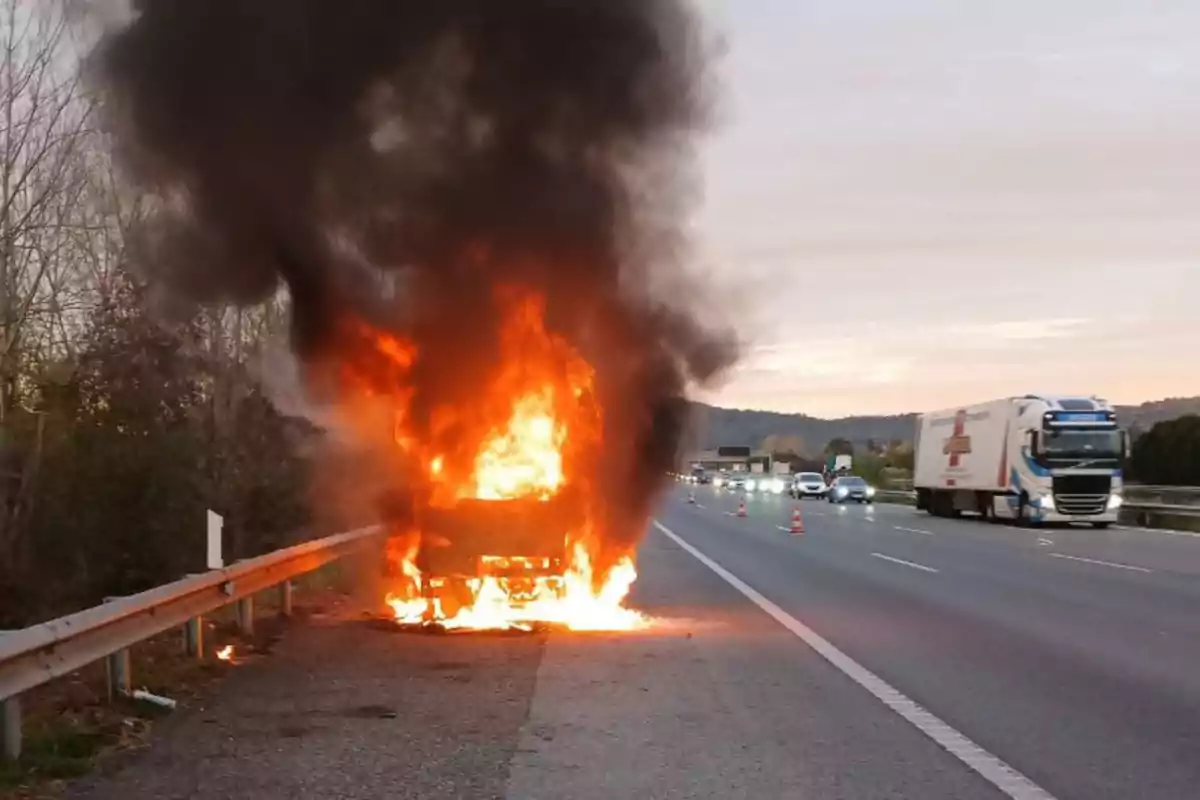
(921, 567)
(1112, 564)
(913, 530)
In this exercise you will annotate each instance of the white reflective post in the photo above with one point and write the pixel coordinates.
(215, 525)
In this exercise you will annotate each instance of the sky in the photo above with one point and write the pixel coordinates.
(913, 204)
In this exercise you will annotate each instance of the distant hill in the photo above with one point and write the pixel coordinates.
(715, 426)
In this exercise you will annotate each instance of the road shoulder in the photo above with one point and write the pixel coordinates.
(719, 702)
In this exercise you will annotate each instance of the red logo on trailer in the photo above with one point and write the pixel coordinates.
(958, 444)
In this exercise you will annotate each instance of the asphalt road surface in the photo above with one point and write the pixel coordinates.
(882, 654)
(1070, 654)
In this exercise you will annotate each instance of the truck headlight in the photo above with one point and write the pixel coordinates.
(1115, 501)
(1046, 502)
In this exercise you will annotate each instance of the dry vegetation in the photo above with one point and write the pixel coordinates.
(117, 428)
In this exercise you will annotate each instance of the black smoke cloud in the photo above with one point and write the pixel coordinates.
(460, 144)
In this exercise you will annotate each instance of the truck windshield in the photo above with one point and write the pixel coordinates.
(1081, 444)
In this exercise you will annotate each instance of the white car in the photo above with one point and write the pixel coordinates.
(809, 484)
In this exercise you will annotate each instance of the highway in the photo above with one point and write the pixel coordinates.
(1071, 654)
(882, 654)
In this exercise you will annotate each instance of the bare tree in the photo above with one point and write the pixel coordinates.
(43, 130)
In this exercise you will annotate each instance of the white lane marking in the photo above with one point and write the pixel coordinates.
(1112, 564)
(913, 530)
(905, 563)
(1044, 542)
(700, 506)
(1166, 531)
(1012, 783)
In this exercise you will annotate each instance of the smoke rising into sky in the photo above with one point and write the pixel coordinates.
(460, 145)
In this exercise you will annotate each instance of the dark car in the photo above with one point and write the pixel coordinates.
(849, 488)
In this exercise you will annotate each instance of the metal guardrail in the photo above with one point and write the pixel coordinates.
(1135, 506)
(36, 655)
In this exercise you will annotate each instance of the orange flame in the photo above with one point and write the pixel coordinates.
(525, 459)
(570, 601)
(528, 433)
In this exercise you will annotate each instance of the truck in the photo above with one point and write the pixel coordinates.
(1035, 459)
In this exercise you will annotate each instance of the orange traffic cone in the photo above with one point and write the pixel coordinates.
(742, 508)
(797, 522)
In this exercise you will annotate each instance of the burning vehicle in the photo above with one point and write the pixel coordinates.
(495, 529)
(477, 211)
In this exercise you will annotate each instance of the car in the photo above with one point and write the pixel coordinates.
(808, 484)
(851, 487)
(773, 484)
(734, 481)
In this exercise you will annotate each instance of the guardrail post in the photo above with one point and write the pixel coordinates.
(120, 678)
(193, 637)
(285, 598)
(245, 615)
(10, 728)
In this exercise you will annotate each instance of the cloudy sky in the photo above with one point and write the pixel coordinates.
(917, 203)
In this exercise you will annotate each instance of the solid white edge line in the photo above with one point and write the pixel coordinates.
(905, 563)
(1112, 564)
(1008, 780)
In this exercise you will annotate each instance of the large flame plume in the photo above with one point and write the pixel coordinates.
(533, 432)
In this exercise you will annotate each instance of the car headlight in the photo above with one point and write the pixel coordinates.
(749, 486)
(778, 487)
(1115, 501)
(842, 491)
(718, 482)
(870, 491)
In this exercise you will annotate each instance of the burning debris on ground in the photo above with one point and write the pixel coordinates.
(467, 202)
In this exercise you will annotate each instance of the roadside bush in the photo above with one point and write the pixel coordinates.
(1168, 454)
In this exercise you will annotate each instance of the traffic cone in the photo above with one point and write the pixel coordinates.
(797, 522)
(742, 508)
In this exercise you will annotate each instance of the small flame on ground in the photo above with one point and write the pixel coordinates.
(225, 653)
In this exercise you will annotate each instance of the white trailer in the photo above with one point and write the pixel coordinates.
(1033, 459)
